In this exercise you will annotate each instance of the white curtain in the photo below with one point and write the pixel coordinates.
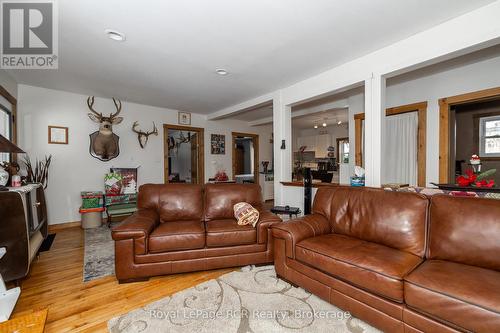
(400, 148)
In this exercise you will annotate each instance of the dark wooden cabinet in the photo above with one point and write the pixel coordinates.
(23, 227)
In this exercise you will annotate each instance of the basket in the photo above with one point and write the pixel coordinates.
(91, 199)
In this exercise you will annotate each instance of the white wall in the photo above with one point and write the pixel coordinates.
(73, 169)
(469, 73)
(8, 83)
(477, 71)
(464, 75)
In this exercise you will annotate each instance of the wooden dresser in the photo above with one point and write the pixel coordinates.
(23, 227)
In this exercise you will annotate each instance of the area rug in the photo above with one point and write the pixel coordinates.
(251, 300)
(99, 254)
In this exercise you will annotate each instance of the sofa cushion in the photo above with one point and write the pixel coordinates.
(227, 232)
(370, 266)
(221, 198)
(463, 295)
(465, 230)
(179, 235)
(173, 202)
(394, 219)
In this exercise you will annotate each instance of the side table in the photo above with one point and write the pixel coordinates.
(286, 210)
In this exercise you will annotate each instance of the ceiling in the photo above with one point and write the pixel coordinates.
(173, 47)
(330, 117)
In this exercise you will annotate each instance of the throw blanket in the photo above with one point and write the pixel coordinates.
(246, 214)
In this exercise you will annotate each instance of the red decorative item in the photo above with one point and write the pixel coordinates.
(467, 180)
(474, 179)
(221, 176)
(484, 183)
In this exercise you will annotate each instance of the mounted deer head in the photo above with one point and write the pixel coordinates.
(105, 123)
(143, 137)
(104, 143)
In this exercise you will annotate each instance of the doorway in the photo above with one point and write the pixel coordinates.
(245, 157)
(416, 109)
(474, 129)
(184, 154)
(447, 122)
(343, 150)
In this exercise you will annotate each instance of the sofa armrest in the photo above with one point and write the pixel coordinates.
(266, 221)
(296, 230)
(138, 225)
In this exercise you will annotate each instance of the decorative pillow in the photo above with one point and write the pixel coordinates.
(246, 214)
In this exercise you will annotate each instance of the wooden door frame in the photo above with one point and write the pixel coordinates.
(337, 147)
(13, 101)
(445, 105)
(201, 149)
(421, 108)
(255, 139)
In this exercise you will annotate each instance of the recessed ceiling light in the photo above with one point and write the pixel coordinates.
(324, 124)
(221, 71)
(339, 122)
(315, 126)
(115, 35)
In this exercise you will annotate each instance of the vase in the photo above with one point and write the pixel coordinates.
(4, 177)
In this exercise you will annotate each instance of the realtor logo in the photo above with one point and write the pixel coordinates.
(29, 35)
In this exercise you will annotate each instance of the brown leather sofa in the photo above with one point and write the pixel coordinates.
(183, 228)
(400, 261)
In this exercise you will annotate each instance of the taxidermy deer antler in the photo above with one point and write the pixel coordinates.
(105, 143)
(142, 136)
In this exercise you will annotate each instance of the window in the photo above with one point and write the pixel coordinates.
(489, 136)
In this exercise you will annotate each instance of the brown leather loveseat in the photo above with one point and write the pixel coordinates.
(183, 228)
(400, 261)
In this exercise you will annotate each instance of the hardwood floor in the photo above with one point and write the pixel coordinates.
(55, 282)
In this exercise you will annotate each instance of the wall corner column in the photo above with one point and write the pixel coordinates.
(375, 87)
(282, 130)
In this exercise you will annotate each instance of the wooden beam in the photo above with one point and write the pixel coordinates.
(358, 141)
(444, 140)
(359, 116)
(406, 108)
(422, 147)
(476, 96)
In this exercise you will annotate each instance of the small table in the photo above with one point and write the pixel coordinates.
(286, 210)
(120, 205)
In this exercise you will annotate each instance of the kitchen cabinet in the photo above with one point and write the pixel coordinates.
(317, 143)
(323, 141)
(267, 187)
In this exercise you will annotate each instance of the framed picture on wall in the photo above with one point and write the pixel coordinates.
(184, 118)
(218, 144)
(129, 179)
(58, 135)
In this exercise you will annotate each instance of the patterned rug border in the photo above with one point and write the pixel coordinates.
(250, 300)
(99, 254)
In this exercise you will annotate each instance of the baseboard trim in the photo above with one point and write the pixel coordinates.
(61, 226)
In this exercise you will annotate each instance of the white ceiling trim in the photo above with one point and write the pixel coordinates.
(242, 107)
(331, 106)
